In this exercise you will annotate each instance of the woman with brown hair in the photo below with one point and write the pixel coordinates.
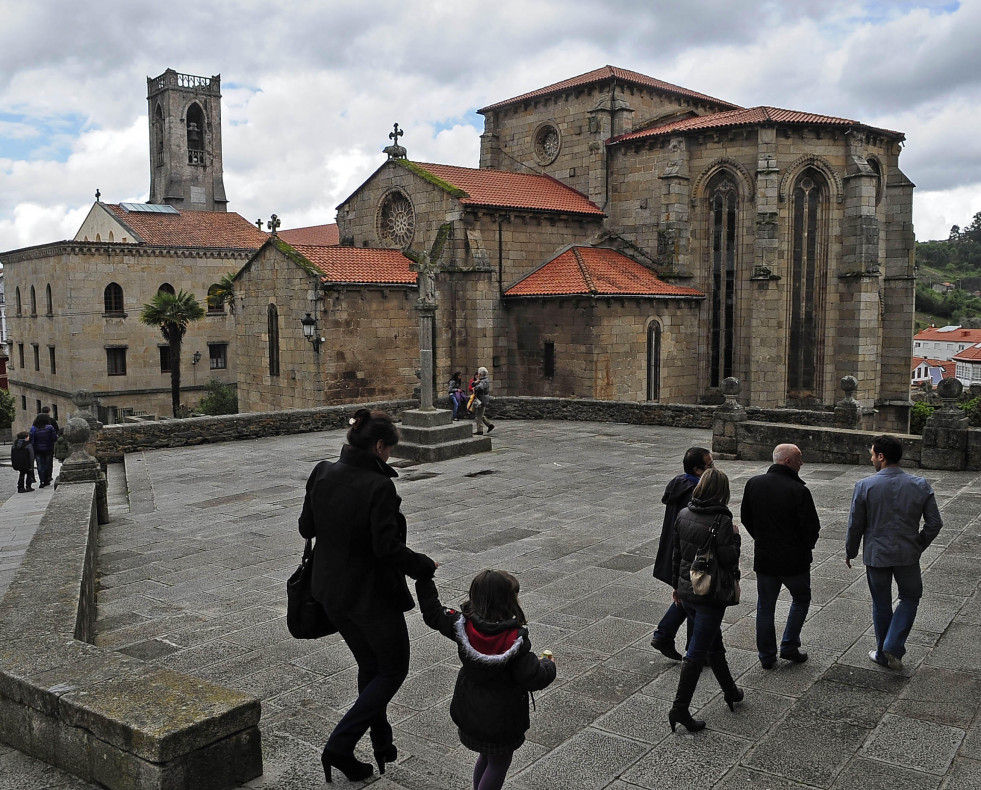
(706, 521)
(359, 569)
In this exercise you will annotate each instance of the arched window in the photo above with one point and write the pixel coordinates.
(654, 361)
(49, 304)
(272, 331)
(877, 169)
(723, 223)
(807, 284)
(33, 302)
(167, 288)
(20, 306)
(215, 304)
(195, 135)
(113, 296)
(158, 130)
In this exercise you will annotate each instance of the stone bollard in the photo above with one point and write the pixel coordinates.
(725, 423)
(848, 411)
(945, 433)
(80, 467)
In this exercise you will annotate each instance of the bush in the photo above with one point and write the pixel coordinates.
(7, 409)
(221, 399)
(973, 411)
(918, 416)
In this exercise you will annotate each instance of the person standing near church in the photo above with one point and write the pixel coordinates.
(778, 511)
(43, 438)
(677, 495)
(481, 401)
(886, 512)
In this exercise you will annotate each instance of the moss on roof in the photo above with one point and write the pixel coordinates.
(424, 174)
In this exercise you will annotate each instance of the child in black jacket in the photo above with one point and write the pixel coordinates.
(490, 701)
(22, 459)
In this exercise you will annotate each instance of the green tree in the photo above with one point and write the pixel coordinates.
(7, 409)
(221, 398)
(173, 313)
(223, 292)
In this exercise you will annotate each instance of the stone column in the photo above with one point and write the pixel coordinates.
(725, 423)
(427, 319)
(945, 434)
(80, 467)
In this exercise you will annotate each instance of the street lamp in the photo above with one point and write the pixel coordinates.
(310, 332)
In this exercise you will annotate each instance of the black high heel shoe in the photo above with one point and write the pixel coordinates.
(732, 696)
(352, 768)
(387, 755)
(676, 717)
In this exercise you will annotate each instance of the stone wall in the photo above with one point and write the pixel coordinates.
(116, 440)
(106, 717)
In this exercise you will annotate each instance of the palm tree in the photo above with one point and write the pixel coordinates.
(223, 292)
(173, 313)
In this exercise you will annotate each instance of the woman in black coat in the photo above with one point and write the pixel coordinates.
(359, 571)
(706, 513)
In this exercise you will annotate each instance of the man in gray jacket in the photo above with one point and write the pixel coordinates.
(886, 512)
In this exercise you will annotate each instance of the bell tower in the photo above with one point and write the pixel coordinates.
(185, 141)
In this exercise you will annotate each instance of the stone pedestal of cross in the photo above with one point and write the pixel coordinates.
(428, 433)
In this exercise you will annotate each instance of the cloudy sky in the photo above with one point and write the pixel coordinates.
(311, 88)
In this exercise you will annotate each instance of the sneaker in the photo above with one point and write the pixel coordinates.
(893, 662)
(874, 658)
(796, 655)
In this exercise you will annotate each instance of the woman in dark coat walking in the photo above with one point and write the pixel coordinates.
(706, 513)
(359, 569)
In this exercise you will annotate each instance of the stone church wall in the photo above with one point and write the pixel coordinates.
(601, 348)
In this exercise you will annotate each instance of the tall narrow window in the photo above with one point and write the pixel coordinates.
(723, 215)
(33, 302)
(158, 130)
(215, 304)
(808, 273)
(548, 359)
(20, 307)
(272, 331)
(20, 354)
(113, 297)
(49, 304)
(195, 135)
(654, 362)
(164, 359)
(37, 356)
(51, 359)
(218, 355)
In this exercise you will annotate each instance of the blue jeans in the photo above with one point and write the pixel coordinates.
(892, 628)
(673, 619)
(45, 464)
(767, 590)
(706, 632)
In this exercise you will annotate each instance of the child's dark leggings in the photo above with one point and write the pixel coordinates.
(489, 772)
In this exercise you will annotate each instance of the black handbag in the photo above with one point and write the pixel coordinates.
(305, 617)
(709, 578)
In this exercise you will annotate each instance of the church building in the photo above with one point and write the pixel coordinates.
(622, 238)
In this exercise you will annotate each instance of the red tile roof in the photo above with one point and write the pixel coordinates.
(367, 265)
(497, 188)
(752, 116)
(607, 73)
(597, 271)
(955, 334)
(969, 354)
(209, 229)
(319, 235)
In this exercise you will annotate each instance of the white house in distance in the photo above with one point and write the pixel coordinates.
(968, 364)
(933, 371)
(943, 343)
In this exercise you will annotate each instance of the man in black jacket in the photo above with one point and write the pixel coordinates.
(778, 511)
(675, 499)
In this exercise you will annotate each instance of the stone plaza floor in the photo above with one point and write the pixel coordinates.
(192, 572)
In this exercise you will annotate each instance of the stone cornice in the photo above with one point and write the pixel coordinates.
(102, 248)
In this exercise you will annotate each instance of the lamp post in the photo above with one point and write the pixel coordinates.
(310, 332)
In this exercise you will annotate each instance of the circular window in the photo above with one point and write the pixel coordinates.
(396, 219)
(547, 144)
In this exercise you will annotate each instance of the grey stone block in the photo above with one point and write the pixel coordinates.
(688, 760)
(874, 775)
(588, 760)
(923, 746)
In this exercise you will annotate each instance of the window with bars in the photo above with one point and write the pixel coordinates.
(113, 298)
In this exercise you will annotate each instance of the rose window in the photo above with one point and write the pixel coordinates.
(546, 144)
(396, 220)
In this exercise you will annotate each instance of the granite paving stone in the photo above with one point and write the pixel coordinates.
(574, 510)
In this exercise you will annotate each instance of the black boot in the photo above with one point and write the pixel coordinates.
(720, 668)
(690, 670)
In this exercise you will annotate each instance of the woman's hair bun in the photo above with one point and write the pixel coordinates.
(359, 419)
